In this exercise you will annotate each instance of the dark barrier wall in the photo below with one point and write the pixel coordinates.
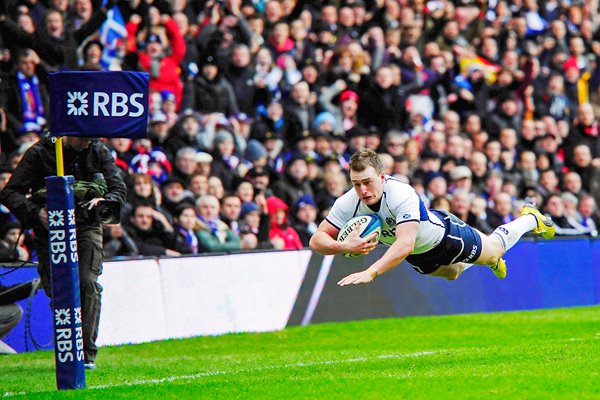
(560, 273)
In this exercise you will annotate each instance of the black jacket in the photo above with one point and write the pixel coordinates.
(39, 162)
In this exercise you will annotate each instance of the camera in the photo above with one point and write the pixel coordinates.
(106, 212)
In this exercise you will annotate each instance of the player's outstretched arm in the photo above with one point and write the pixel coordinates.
(324, 241)
(406, 235)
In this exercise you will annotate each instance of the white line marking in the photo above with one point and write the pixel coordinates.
(317, 289)
(241, 371)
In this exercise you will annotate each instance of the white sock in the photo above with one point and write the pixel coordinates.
(466, 266)
(510, 233)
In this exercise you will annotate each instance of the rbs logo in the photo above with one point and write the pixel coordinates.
(116, 104)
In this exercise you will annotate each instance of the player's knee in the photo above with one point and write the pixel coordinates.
(452, 273)
(452, 277)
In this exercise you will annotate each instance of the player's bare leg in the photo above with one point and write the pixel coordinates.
(452, 271)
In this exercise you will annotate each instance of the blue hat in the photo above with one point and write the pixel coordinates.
(306, 200)
(254, 150)
(248, 207)
(431, 176)
(167, 95)
(325, 117)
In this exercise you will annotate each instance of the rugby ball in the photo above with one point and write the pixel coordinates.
(366, 224)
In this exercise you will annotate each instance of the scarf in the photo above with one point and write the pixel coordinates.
(190, 239)
(33, 108)
(213, 225)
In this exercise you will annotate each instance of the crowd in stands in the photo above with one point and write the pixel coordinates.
(257, 106)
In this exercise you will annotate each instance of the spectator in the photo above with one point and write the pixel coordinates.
(185, 163)
(118, 243)
(231, 207)
(280, 226)
(584, 167)
(215, 187)
(294, 184)
(441, 203)
(381, 105)
(572, 183)
(152, 233)
(144, 189)
(27, 97)
(548, 182)
(203, 164)
(214, 235)
(189, 131)
(185, 223)
(174, 192)
(210, 91)
(479, 170)
(461, 179)
(270, 129)
(257, 222)
(245, 191)
(158, 130)
(461, 207)
(261, 178)
(198, 184)
(565, 226)
(588, 211)
(163, 67)
(501, 213)
(226, 164)
(305, 218)
(585, 131)
(241, 76)
(299, 112)
(12, 246)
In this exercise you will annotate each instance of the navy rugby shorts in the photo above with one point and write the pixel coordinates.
(461, 243)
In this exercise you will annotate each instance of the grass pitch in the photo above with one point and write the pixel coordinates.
(548, 354)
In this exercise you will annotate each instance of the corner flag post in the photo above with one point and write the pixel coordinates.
(82, 104)
(66, 303)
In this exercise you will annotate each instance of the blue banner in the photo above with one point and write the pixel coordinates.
(66, 304)
(99, 104)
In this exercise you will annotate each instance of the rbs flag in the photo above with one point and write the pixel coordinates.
(108, 104)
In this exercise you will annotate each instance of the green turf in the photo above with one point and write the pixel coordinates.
(549, 354)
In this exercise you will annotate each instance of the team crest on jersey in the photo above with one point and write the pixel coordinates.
(390, 221)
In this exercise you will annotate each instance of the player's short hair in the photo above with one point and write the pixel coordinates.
(365, 158)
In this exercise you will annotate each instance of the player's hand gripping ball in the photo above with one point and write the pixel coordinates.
(365, 224)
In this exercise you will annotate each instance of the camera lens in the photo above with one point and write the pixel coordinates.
(104, 213)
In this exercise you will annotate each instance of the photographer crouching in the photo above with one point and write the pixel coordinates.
(99, 193)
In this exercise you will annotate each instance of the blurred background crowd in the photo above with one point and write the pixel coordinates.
(257, 106)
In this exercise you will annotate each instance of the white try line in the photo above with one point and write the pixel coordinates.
(206, 374)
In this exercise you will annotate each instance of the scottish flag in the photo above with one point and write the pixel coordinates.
(111, 32)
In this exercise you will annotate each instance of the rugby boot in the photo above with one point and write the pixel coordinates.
(545, 226)
(499, 269)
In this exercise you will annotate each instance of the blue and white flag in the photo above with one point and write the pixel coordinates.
(112, 32)
(108, 104)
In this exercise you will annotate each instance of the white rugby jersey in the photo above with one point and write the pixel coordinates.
(400, 203)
